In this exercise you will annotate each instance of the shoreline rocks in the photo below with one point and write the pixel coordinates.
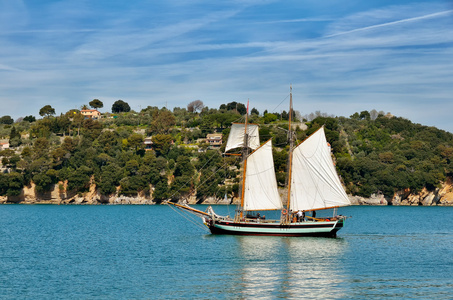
(442, 196)
(373, 200)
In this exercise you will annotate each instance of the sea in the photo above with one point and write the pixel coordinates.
(155, 252)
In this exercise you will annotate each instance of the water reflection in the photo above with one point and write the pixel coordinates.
(277, 267)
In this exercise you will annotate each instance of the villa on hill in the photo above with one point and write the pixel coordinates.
(90, 113)
(148, 143)
(4, 146)
(214, 140)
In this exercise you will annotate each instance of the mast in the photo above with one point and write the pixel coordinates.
(244, 160)
(291, 144)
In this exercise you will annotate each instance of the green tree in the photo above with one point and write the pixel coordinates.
(222, 119)
(96, 103)
(120, 106)
(69, 144)
(131, 185)
(30, 119)
(181, 187)
(6, 120)
(14, 138)
(110, 178)
(184, 167)
(365, 115)
(47, 110)
(11, 184)
(209, 184)
(62, 124)
(132, 167)
(135, 141)
(43, 182)
(40, 147)
(269, 118)
(161, 189)
(14, 160)
(162, 143)
(79, 179)
(285, 115)
(163, 121)
(4, 184)
(235, 106)
(91, 129)
(108, 141)
(254, 111)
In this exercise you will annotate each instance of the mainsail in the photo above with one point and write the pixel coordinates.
(314, 180)
(261, 191)
(236, 136)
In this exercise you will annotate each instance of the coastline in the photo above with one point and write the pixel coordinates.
(442, 196)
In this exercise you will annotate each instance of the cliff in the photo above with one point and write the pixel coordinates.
(442, 196)
(59, 195)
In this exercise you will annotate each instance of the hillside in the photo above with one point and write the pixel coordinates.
(75, 157)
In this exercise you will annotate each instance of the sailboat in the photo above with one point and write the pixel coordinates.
(313, 185)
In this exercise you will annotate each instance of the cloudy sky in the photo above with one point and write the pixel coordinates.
(341, 57)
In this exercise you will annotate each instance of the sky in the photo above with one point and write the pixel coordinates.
(340, 57)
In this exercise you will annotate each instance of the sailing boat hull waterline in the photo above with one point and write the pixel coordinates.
(314, 229)
(225, 225)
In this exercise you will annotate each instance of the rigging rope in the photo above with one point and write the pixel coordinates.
(187, 216)
(280, 104)
(213, 173)
(192, 178)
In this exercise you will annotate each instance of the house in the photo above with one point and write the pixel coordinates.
(214, 140)
(90, 113)
(148, 143)
(4, 146)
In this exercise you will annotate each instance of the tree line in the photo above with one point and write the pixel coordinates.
(374, 153)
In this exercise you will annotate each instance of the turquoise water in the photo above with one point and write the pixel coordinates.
(151, 252)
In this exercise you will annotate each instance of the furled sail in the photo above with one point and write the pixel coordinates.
(314, 180)
(236, 136)
(260, 184)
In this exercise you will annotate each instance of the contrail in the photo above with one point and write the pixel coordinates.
(393, 23)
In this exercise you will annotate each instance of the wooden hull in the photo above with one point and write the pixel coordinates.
(316, 229)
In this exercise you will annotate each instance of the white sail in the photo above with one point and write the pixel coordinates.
(260, 184)
(314, 180)
(236, 136)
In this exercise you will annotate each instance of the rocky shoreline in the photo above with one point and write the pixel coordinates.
(442, 196)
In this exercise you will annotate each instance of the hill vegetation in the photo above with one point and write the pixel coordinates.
(375, 153)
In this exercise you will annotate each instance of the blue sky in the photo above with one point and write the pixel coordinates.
(341, 57)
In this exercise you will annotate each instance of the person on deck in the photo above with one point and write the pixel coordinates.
(300, 216)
